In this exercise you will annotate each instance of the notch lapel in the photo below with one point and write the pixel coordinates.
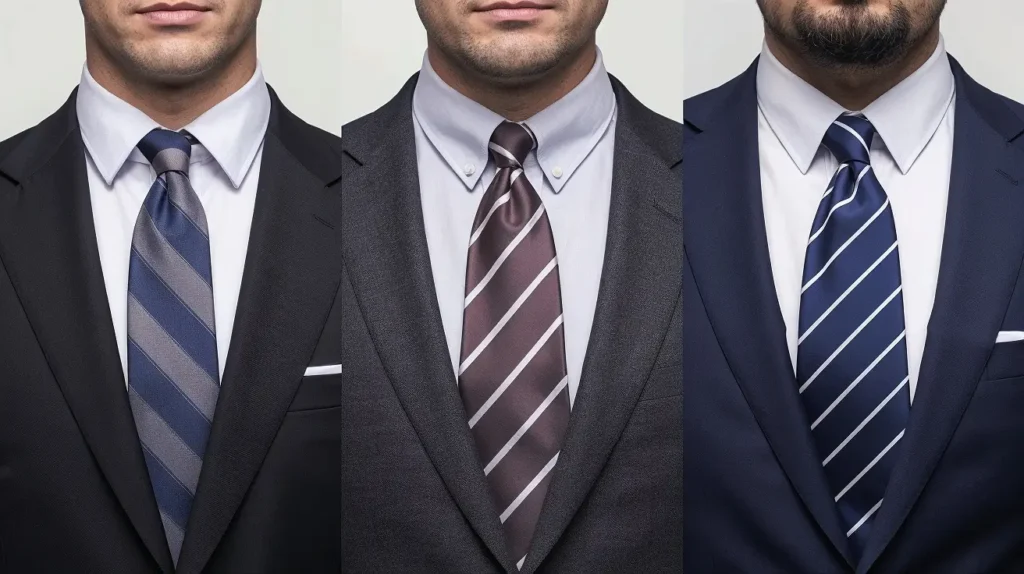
(385, 250)
(981, 258)
(727, 248)
(48, 246)
(291, 278)
(640, 287)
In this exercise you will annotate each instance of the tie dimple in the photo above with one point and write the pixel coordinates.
(849, 138)
(510, 144)
(167, 151)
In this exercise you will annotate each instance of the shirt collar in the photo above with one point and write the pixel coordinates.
(567, 131)
(905, 117)
(231, 132)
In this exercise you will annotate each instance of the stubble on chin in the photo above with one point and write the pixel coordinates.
(511, 59)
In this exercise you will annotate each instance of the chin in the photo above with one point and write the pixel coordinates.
(173, 72)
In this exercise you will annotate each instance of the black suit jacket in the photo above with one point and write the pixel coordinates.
(756, 496)
(74, 491)
(414, 496)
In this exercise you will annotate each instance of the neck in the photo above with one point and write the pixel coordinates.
(515, 101)
(173, 105)
(854, 87)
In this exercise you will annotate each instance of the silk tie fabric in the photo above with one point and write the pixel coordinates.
(173, 378)
(852, 358)
(512, 376)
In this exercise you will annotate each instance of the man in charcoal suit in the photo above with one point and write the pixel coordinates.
(511, 339)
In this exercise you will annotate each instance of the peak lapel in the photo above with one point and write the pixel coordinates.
(727, 248)
(48, 246)
(640, 288)
(292, 276)
(981, 258)
(385, 251)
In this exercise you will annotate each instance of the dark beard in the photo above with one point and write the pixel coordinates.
(854, 38)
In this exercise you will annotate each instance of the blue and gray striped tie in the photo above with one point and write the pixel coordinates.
(173, 377)
(852, 359)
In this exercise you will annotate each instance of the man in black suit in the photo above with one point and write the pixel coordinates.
(169, 345)
(512, 249)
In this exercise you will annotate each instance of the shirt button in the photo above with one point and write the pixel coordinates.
(469, 169)
(557, 172)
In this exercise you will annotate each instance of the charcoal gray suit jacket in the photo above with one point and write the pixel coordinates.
(414, 495)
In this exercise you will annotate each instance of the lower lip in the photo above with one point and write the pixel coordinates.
(174, 17)
(514, 14)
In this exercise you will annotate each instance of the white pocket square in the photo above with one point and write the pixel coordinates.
(1009, 336)
(323, 370)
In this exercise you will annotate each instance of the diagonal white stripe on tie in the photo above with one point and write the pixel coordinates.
(515, 372)
(490, 213)
(850, 339)
(859, 378)
(845, 294)
(508, 315)
(505, 255)
(843, 247)
(526, 426)
(870, 465)
(529, 488)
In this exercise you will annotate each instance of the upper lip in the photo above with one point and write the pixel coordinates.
(177, 6)
(512, 6)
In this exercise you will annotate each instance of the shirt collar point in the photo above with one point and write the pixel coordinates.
(556, 184)
(905, 162)
(236, 179)
(804, 165)
(107, 174)
(470, 182)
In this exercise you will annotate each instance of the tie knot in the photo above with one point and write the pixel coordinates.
(511, 143)
(167, 150)
(849, 138)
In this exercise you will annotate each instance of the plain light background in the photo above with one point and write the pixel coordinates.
(382, 44)
(42, 51)
(722, 37)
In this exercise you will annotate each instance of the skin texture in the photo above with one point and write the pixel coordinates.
(173, 73)
(513, 67)
(852, 50)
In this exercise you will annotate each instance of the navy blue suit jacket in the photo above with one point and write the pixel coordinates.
(756, 498)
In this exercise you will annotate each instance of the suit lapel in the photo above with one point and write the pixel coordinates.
(48, 246)
(385, 250)
(981, 258)
(640, 287)
(291, 278)
(727, 247)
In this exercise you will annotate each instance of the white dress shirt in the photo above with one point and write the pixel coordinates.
(224, 171)
(571, 169)
(911, 154)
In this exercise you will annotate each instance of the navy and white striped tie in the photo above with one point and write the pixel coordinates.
(852, 359)
(173, 373)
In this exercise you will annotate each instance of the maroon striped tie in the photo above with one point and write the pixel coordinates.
(512, 376)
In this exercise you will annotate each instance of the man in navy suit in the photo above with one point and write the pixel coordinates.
(854, 333)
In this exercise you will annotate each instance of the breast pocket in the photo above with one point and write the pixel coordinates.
(665, 382)
(320, 389)
(1005, 362)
